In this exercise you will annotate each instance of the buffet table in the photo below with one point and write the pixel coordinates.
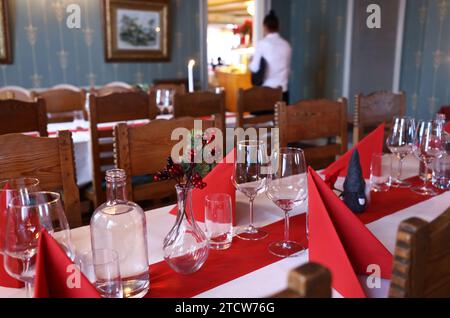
(272, 278)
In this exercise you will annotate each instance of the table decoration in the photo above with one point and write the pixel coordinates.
(340, 241)
(120, 225)
(372, 143)
(354, 195)
(218, 181)
(56, 275)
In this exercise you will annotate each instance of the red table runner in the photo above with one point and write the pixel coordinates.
(245, 257)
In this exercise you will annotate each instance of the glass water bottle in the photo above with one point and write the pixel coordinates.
(120, 225)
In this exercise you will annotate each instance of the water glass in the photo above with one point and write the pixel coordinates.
(101, 268)
(219, 221)
(78, 119)
(381, 172)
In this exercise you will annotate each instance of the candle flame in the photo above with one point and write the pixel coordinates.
(191, 63)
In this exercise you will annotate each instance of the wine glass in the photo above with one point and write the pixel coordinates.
(287, 188)
(428, 145)
(249, 178)
(12, 188)
(400, 142)
(25, 219)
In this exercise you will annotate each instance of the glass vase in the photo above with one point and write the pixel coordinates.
(186, 246)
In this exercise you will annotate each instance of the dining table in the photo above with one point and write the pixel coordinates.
(270, 278)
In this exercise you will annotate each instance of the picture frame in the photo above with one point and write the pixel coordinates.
(5, 35)
(137, 30)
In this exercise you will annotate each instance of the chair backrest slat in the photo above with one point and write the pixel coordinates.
(422, 259)
(17, 93)
(18, 117)
(50, 160)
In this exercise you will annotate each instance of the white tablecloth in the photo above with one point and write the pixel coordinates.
(273, 278)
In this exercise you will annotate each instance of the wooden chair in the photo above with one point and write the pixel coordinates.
(310, 280)
(62, 101)
(50, 160)
(117, 107)
(173, 82)
(202, 104)
(257, 100)
(6, 95)
(314, 120)
(17, 93)
(143, 151)
(422, 259)
(19, 117)
(372, 110)
(113, 87)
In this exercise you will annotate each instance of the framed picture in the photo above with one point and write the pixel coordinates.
(137, 30)
(5, 45)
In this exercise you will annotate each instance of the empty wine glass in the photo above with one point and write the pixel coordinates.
(249, 178)
(12, 188)
(287, 188)
(26, 217)
(400, 143)
(428, 145)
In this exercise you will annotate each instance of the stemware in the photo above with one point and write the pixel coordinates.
(400, 143)
(25, 219)
(428, 145)
(287, 188)
(249, 178)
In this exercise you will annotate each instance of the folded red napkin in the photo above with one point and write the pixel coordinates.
(56, 275)
(447, 128)
(340, 241)
(5, 279)
(372, 143)
(218, 181)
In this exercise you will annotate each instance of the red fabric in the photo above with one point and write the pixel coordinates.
(5, 279)
(53, 273)
(447, 127)
(372, 143)
(340, 241)
(446, 111)
(222, 266)
(219, 181)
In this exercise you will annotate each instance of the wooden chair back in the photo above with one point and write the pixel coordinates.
(117, 107)
(310, 120)
(172, 81)
(17, 93)
(143, 151)
(372, 110)
(62, 101)
(113, 87)
(50, 160)
(310, 280)
(421, 266)
(257, 99)
(179, 89)
(19, 117)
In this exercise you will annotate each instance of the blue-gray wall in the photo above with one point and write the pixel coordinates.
(426, 56)
(316, 31)
(47, 53)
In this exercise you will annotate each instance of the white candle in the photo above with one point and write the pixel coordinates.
(191, 75)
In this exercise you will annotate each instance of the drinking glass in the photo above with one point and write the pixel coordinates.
(287, 188)
(219, 221)
(400, 143)
(380, 172)
(101, 267)
(164, 100)
(428, 145)
(26, 217)
(13, 188)
(78, 119)
(249, 178)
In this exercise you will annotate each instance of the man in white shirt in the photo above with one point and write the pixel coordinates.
(277, 53)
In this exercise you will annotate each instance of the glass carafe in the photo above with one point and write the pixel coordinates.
(186, 246)
(120, 225)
